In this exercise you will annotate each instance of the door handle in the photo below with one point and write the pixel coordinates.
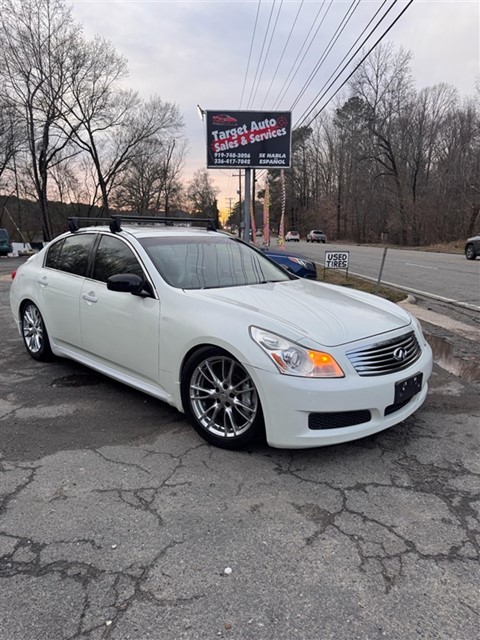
(43, 280)
(90, 297)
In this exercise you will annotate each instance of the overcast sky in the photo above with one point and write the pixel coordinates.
(196, 52)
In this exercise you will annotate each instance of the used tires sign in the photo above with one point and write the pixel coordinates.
(336, 259)
(248, 139)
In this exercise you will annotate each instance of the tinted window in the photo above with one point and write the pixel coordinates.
(114, 256)
(203, 263)
(53, 254)
(72, 254)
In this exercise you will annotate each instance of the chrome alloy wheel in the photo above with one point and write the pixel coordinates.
(33, 331)
(223, 397)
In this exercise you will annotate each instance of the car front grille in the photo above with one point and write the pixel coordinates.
(386, 357)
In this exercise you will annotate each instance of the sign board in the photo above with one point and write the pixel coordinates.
(336, 259)
(248, 139)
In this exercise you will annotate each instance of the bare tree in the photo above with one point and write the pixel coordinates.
(111, 124)
(172, 167)
(385, 85)
(36, 41)
(152, 178)
(11, 136)
(202, 195)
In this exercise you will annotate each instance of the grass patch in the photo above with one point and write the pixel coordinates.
(332, 276)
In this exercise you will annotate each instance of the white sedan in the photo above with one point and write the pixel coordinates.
(207, 323)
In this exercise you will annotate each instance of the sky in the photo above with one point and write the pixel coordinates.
(250, 54)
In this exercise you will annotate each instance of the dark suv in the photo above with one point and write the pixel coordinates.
(5, 246)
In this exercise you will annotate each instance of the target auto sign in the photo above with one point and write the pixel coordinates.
(248, 139)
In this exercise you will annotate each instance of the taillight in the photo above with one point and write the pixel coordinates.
(14, 273)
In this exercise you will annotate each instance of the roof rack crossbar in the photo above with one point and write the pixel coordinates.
(73, 222)
(115, 222)
(167, 220)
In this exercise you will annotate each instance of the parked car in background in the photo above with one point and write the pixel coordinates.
(204, 321)
(316, 235)
(5, 244)
(472, 248)
(292, 236)
(300, 266)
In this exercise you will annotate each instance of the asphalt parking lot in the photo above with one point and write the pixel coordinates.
(118, 521)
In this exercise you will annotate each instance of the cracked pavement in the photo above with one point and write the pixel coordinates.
(117, 521)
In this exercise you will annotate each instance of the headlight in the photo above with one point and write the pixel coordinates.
(294, 360)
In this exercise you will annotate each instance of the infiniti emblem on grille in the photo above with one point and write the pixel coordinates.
(400, 354)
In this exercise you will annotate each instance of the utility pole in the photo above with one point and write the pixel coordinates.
(246, 215)
(239, 175)
(254, 180)
(229, 208)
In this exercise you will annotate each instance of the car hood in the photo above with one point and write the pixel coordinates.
(311, 312)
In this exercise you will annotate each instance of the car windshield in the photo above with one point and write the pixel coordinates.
(210, 262)
(317, 231)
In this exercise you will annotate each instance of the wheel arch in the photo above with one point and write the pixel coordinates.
(22, 306)
(228, 349)
(206, 345)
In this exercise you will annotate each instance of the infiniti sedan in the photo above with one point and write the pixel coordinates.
(208, 324)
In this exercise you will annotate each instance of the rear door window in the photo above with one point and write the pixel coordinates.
(71, 254)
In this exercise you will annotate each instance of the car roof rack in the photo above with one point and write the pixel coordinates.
(115, 222)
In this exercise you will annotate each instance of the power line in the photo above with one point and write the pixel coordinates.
(268, 48)
(282, 93)
(301, 121)
(283, 53)
(261, 52)
(333, 40)
(356, 67)
(353, 45)
(250, 52)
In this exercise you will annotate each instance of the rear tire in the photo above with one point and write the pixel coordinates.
(34, 333)
(220, 399)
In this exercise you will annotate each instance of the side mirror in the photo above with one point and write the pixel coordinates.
(126, 283)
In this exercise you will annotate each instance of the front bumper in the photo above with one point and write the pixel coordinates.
(287, 402)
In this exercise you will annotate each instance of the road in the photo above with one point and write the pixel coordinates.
(448, 276)
(118, 522)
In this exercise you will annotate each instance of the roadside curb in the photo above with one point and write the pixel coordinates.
(454, 326)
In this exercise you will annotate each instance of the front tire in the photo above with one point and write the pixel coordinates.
(470, 252)
(34, 333)
(220, 399)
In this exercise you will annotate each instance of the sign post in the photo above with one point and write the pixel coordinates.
(246, 204)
